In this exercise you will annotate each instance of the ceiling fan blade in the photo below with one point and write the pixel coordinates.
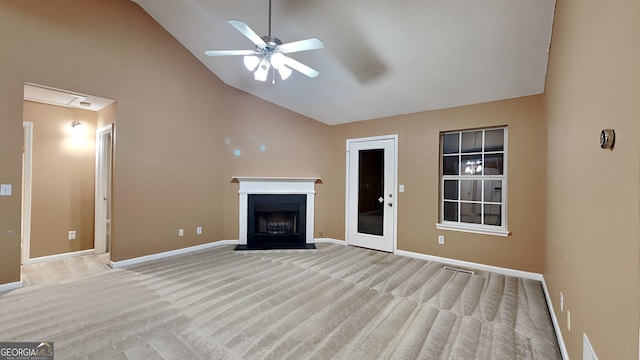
(246, 31)
(302, 45)
(230, 52)
(300, 67)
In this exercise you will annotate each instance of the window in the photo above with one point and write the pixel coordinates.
(473, 181)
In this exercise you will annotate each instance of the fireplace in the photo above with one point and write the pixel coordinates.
(276, 213)
(276, 221)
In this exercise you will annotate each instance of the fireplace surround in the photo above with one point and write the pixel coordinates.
(276, 212)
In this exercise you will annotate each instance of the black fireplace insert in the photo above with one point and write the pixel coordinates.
(276, 221)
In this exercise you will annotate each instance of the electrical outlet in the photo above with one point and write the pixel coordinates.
(180, 232)
(72, 235)
(199, 230)
(569, 320)
(561, 302)
(441, 239)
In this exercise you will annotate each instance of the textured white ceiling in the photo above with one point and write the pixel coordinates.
(381, 58)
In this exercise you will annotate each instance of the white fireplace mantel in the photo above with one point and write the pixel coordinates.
(275, 185)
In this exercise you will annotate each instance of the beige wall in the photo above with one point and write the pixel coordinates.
(418, 163)
(175, 124)
(106, 116)
(593, 249)
(63, 179)
(272, 142)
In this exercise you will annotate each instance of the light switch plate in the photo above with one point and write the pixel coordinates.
(5, 190)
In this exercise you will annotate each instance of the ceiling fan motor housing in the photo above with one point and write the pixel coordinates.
(272, 42)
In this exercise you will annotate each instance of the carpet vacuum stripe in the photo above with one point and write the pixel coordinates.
(335, 302)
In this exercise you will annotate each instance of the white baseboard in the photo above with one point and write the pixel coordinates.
(556, 325)
(59, 256)
(10, 286)
(329, 240)
(472, 265)
(142, 259)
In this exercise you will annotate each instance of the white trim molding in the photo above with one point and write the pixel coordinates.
(162, 255)
(484, 230)
(27, 185)
(275, 185)
(556, 325)
(472, 265)
(331, 241)
(10, 286)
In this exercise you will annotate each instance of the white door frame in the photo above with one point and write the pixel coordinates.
(394, 192)
(101, 191)
(27, 180)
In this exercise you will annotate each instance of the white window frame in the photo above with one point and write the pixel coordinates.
(501, 230)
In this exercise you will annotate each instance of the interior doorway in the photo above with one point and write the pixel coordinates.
(60, 133)
(371, 192)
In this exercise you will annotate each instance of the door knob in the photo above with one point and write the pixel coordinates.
(390, 204)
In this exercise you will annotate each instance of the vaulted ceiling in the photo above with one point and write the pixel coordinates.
(381, 58)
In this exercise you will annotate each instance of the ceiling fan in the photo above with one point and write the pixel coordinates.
(269, 53)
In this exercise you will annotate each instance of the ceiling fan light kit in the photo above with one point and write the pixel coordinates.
(269, 53)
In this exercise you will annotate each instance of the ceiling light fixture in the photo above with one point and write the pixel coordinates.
(76, 127)
(260, 66)
(269, 53)
(268, 57)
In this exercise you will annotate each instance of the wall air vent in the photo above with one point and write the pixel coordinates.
(462, 270)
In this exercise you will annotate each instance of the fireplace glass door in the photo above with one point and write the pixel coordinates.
(277, 221)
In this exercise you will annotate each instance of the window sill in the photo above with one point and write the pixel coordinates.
(473, 229)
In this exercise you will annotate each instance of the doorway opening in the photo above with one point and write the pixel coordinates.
(67, 165)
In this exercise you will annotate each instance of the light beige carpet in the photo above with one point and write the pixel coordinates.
(52, 272)
(332, 303)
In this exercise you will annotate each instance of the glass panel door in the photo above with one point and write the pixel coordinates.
(371, 194)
